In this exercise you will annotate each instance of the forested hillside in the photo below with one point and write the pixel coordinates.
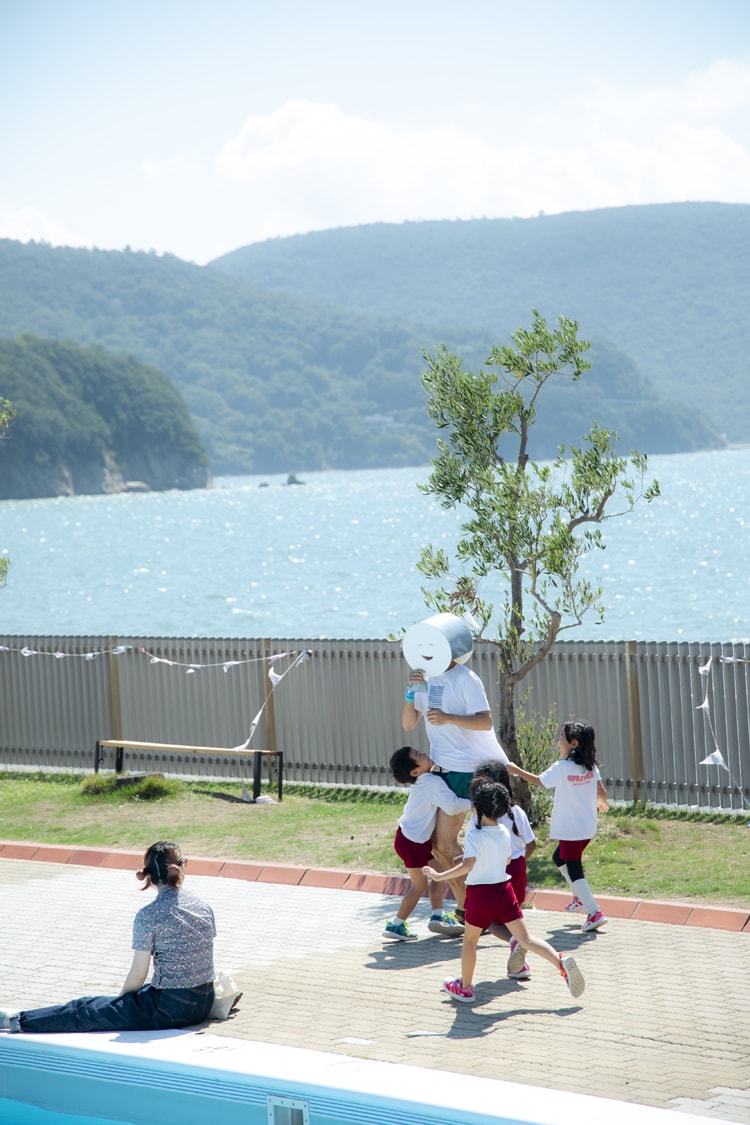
(87, 421)
(277, 383)
(669, 285)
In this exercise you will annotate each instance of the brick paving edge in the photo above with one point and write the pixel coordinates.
(646, 910)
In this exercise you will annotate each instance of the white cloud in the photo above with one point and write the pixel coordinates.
(310, 165)
(176, 164)
(27, 224)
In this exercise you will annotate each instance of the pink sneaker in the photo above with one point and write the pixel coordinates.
(574, 906)
(456, 990)
(593, 922)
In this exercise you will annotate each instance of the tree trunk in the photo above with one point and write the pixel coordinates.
(506, 732)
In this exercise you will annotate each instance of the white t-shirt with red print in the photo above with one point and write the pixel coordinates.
(574, 811)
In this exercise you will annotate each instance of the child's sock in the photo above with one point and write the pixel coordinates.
(563, 869)
(437, 915)
(582, 889)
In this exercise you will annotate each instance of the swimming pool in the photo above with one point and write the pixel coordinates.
(190, 1078)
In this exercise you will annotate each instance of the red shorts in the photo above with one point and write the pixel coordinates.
(517, 871)
(491, 902)
(572, 849)
(411, 853)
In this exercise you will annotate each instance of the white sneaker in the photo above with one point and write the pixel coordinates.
(572, 976)
(517, 960)
(9, 1019)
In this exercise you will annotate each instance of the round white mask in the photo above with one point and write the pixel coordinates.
(432, 645)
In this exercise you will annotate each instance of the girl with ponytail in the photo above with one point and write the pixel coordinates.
(490, 899)
(176, 932)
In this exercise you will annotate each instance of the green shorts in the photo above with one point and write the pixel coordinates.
(459, 783)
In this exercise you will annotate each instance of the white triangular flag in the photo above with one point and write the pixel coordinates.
(715, 759)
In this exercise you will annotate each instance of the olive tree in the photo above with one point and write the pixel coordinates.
(7, 414)
(525, 525)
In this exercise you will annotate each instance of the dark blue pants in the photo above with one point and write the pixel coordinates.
(148, 1009)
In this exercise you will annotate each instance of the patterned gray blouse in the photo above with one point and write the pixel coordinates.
(178, 930)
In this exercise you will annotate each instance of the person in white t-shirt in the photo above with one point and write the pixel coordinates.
(579, 792)
(522, 847)
(490, 899)
(458, 722)
(413, 842)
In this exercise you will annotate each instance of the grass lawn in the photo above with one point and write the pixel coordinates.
(644, 853)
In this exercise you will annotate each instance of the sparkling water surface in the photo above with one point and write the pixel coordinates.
(336, 557)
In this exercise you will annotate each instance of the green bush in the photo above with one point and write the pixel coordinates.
(537, 738)
(152, 787)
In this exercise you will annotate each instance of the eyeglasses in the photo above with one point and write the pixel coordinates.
(182, 862)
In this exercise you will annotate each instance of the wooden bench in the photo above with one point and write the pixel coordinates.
(118, 744)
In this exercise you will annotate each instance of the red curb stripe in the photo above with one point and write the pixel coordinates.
(671, 913)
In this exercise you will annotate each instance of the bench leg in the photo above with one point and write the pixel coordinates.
(257, 762)
(118, 759)
(280, 762)
(97, 757)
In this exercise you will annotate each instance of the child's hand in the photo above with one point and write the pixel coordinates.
(602, 805)
(430, 872)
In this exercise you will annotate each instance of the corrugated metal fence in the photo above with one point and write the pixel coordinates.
(658, 709)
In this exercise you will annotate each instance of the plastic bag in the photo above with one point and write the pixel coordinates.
(226, 996)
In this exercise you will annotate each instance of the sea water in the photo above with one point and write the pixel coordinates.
(337, 557)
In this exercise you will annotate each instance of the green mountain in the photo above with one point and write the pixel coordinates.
(278, 382)
(666, 284)
(88, 421)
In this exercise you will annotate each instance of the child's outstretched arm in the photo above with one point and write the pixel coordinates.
(601, 797)
(462, 868)
(516, 771)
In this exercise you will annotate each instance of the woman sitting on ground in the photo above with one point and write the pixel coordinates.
(177, 930)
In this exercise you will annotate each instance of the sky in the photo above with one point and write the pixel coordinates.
(194, 127)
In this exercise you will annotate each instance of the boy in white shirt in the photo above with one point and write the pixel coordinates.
(413, 840)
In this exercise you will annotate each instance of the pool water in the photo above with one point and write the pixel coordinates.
(21, 1113)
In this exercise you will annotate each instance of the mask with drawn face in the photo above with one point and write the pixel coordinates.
(432, 645)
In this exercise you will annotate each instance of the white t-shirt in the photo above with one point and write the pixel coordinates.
(490, 846)
(459, 691)
(428, 794)
(525, 832)
(574, 809)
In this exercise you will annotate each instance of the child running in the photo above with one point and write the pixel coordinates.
(522, 847)
(578, 793)
(490, 899)
(413, 845)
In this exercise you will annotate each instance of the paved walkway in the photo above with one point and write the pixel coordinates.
(662, 1022)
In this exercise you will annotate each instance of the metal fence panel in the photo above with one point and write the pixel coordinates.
(659, 709)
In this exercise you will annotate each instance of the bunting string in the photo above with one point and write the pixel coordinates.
(118, 650)
(275, 679)
(191, 668)
(716, 758)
